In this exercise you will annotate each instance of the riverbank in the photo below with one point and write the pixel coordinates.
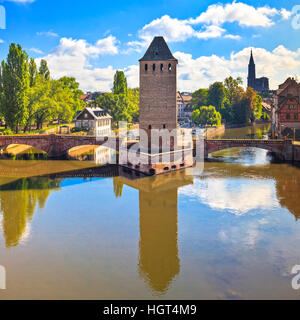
(212, 132)
(244, 125)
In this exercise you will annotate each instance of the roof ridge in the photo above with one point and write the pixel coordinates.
(158, 50)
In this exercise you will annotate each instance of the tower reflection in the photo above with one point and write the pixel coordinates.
(158, 246)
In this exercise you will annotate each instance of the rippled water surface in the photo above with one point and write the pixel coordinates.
(69, 230)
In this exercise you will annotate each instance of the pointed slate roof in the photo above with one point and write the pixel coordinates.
(158, 50)
(251, 62)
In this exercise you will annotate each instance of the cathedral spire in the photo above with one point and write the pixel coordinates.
(251, 72)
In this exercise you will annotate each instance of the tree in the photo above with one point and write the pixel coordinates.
(63, 101)
(232, 87)
(216, 95)
(199, 98)
(134, 103)
(117, 105)
(15, 83)
(73, 85)
(207, 115)
(120, 83)
(33, 73)
(43, 70)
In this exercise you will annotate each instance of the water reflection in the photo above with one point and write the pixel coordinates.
(158, 246)
(18, 202)
(211, 203)
(100, 155)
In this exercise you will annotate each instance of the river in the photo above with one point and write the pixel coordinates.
(72, 230)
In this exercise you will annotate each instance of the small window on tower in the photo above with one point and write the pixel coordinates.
(161, 67)
(153, 67)
(146, 67)
(164, 126)
(169, 67)
(149, 127)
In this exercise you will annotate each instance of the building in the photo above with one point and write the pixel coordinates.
(158, 88)
(91, 97)
(287, 110)
(162, 146)
(95, 121)
(184, 107)
(257, 84)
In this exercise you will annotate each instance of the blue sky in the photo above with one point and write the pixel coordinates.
(91, 39)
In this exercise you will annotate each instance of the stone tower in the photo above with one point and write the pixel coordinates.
(251, 73)
(158, 87)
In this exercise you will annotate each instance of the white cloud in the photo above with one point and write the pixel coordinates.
(232, 36)
(36, 50)
(72, 58)
(208, 24)
(285, 14)
(194, 73)
(2, 41)
(244, 14)
(47, 34)
(171, 28)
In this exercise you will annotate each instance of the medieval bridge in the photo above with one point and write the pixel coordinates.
(285, 149)
(58, 145)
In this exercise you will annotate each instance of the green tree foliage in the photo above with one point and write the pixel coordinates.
(71, 84)
(117, 105)
(248, 108)
(134, 103)
(50, 101)
(207, 115)
(120, 83)
(199, 98)
(29, 96)
(121, 106)
(15, 84)
(33, 72)
(229, 99)
(232, 88)
(216, 95)
(43, 70)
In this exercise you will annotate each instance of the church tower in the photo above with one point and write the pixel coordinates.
(251, 73)
(158, 87)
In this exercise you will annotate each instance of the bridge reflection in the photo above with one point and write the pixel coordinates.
(159, 261)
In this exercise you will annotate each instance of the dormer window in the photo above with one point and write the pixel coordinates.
(161, 67)
(146, 67)
(153, 67)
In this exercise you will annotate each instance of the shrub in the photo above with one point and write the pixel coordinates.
(7, 132)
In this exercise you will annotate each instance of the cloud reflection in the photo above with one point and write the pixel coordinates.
(234, 195)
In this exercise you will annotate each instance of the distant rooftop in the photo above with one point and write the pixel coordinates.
(158, 50)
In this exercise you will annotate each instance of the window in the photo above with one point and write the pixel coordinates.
(153, 67)
(161, 67)
(164, 126)
(288, 117)
(146, 67)
(149, 127)
(296, 116)
(169, 67)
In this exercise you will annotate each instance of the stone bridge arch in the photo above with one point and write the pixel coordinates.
(280, 147)
(41, 142)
